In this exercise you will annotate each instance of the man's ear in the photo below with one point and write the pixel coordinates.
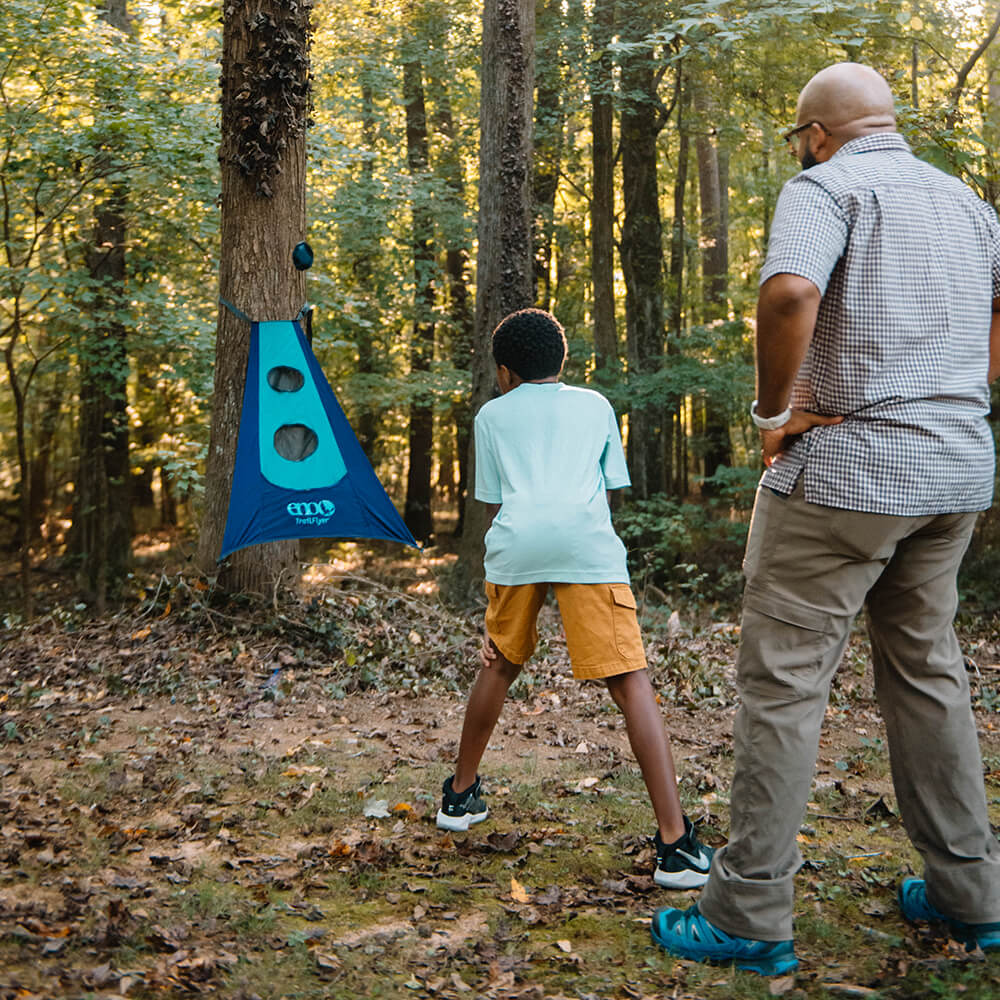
(821, 145)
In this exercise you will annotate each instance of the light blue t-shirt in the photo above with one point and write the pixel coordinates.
(546, 452)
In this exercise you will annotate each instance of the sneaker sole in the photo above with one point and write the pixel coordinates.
(778, 967)
(459, 823)
(687, 879)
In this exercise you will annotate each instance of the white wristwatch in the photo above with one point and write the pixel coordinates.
(770, 423)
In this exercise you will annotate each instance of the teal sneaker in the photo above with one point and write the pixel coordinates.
(915, 905)
(687, 934)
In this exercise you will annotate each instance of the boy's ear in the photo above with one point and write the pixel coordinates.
(506, 379)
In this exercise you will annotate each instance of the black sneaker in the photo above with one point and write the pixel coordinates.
(459, 810)
(684, 864)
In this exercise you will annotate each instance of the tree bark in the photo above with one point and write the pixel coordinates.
(713, 193)
(991, 134)
(602, 203)
(675, 474)
(417, 511)
(47, 422)
(504, 272)
(265, 101)
(19, 389)
(641, 246)
(547, 143)
(102, 516)
(460, 315)
(364, 268)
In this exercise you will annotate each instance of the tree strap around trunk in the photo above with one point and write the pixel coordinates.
(240, 314)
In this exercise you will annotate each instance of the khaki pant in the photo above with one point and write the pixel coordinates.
(808, 571)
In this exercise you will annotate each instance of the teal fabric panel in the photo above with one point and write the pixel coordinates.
(279, 347)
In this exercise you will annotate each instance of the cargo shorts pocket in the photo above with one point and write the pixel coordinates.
(628, 638)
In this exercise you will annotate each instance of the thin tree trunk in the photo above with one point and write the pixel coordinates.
(461, 319)
(417, 513)
(713, 195)
(991, 133)
(102, 516)
(364, 268)
(41, 462)
(641, 246)
(18, 389)
(547, 143)
(675, 479)
(602, 204)
(265, 96)
(504, 276)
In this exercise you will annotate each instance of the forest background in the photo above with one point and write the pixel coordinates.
(657, 161)
(204, 792)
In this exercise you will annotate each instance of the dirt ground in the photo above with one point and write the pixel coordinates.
(199, 797)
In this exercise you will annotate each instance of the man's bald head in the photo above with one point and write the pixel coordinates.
(849, 99)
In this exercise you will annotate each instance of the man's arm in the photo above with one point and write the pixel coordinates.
(786, 318)
(492, 509)
(994, 369)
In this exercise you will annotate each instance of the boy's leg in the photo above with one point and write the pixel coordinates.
(511, 635)
(634, 695)
(485, 704)
(604, 641)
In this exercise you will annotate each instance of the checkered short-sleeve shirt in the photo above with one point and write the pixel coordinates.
(907, 260)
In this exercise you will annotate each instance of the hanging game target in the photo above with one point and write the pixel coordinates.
(300, 471)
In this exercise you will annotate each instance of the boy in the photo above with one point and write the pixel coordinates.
(546, 454)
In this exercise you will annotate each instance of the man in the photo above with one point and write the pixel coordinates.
(878, 328)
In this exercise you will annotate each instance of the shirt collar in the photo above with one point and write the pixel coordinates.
(877, 142)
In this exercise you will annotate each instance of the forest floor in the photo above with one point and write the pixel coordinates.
(208, 797)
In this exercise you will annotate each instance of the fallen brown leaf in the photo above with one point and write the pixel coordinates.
(518, 893)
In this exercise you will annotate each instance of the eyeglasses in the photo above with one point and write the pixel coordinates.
(792, 134)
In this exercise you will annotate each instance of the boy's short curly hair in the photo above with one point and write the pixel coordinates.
(531, 343)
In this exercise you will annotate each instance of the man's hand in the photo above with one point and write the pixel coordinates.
(775, 442)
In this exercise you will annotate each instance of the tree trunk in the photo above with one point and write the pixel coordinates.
(18, 390)
(461, 320)
(676, 473)
(148, 402)
(417, 512)
(47, 422)
(602, 204)
(547, 143)
(991, 132)
(504, 275)
(713, 192)
(265, 98)
(641, 248)
(364, 268)
(102, 515)
(714, 239)
(168, 500)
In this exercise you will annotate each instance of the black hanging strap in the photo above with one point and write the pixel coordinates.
(238, 313)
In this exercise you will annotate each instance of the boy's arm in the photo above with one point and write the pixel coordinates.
(492, 509)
